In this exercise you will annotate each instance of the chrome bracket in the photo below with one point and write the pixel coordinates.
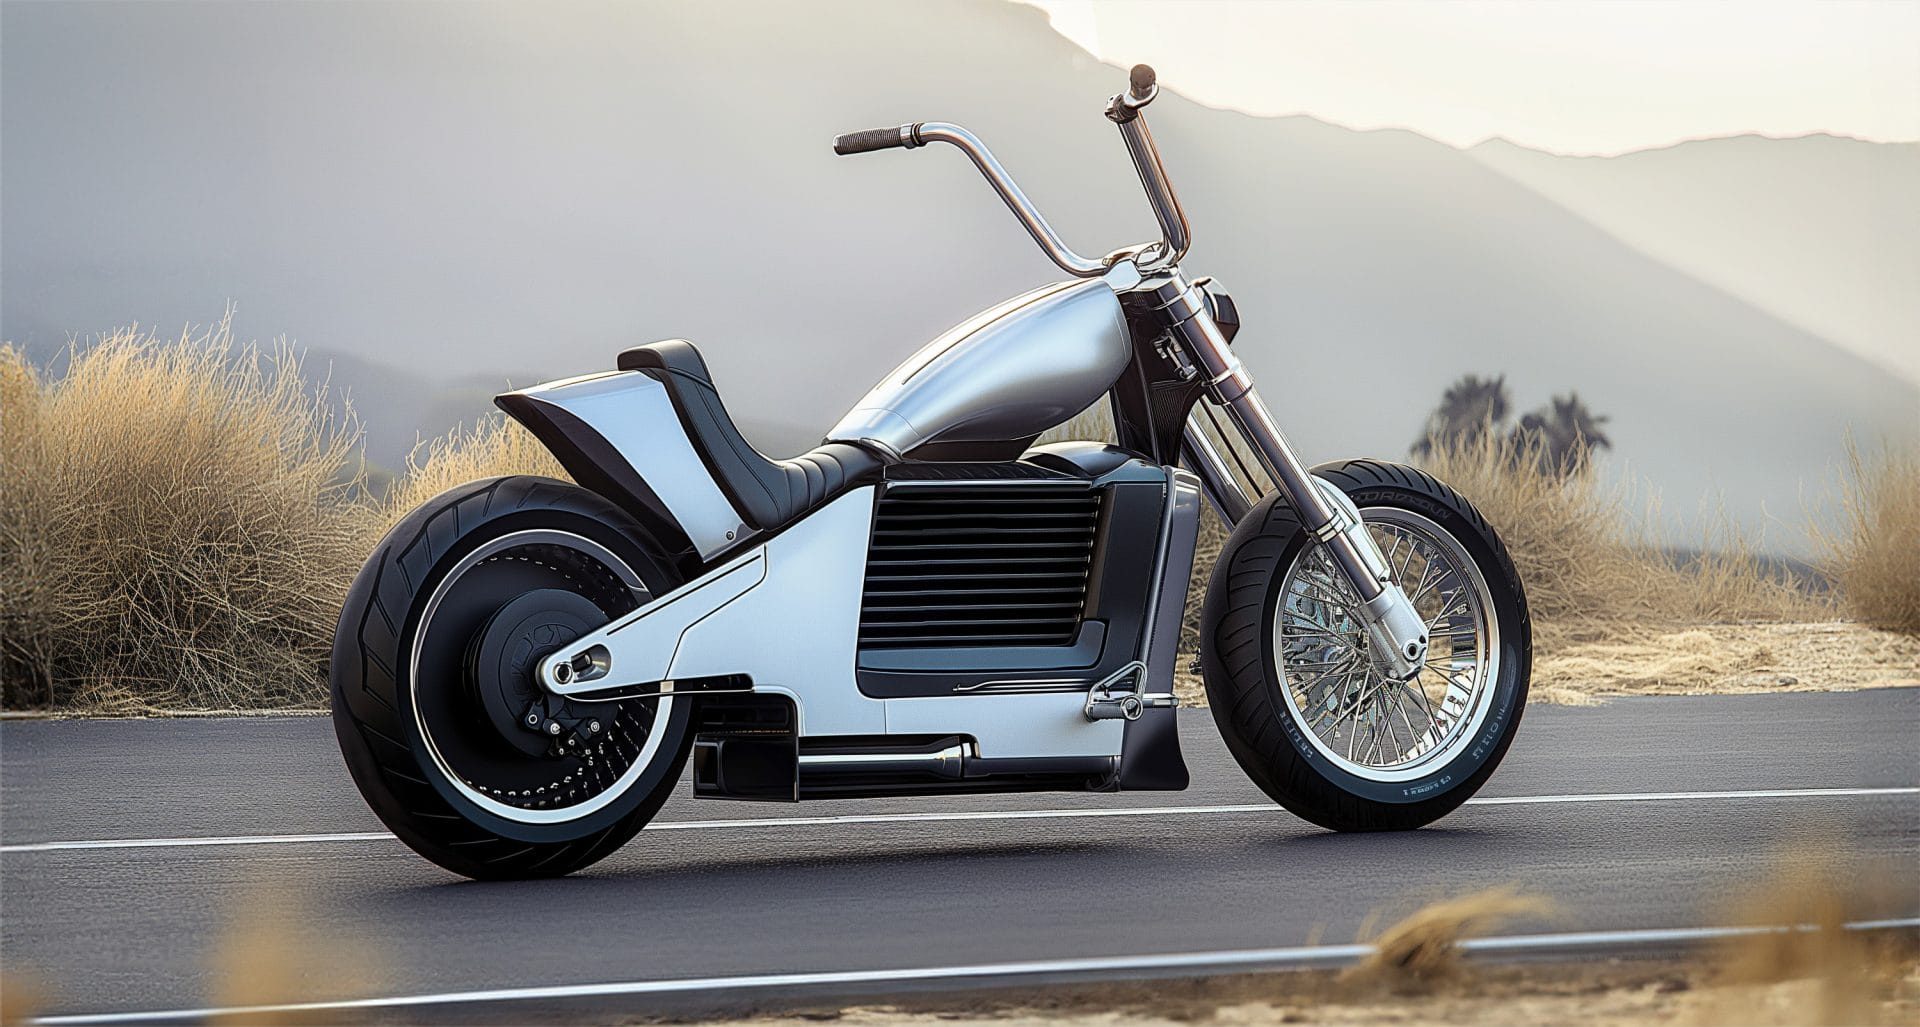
(1392, 622)
(1171, 352)
(1338, 524)
(1121, 695)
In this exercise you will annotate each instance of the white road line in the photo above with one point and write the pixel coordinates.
(1751, 793)
(1231, 960)
(182, 843)
(1010, 814)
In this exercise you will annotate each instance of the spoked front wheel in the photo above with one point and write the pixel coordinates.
(1308, 708)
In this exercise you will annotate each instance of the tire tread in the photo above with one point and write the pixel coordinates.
(1234, 659)
(367, 655)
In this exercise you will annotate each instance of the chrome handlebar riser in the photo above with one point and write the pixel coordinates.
(1057, 250)
(1124, 110)
(1174, 229)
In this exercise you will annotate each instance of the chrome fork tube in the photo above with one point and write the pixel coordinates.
(1229, 384)
(1384, 605)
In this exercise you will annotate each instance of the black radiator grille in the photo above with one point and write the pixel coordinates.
(978, 565)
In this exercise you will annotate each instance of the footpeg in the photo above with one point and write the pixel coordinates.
(1128, 707)
(1120, 695)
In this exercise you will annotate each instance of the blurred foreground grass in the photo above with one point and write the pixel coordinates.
(1803, 967)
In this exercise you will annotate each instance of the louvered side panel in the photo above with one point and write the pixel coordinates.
(976, 566)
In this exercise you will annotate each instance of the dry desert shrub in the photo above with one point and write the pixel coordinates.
(1875, 553)
(176, 518)
(1586, 555)
(493, 447)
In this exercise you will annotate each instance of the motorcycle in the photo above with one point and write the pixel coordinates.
(928, 602)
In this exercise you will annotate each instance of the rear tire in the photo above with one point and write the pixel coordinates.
(410, 694)
(1287, 753)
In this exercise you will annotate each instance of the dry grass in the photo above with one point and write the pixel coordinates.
(1422, 950)
(177, 521)
(1821, 973)
(1875, 554)
(1614, 611)
(20, 998)
(495, 446)
(1727, 658)
(271, 954)
(180, 519)
(1585, 552)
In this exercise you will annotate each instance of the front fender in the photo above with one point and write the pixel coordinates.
(617, 434)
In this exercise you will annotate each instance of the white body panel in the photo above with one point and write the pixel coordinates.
(792, 626)
(635, 416)
(795, 631)
(654, 641)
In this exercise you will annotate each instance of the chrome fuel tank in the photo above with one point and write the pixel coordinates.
(1007, 373)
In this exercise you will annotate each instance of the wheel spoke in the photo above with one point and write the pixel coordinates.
(1361, 716)
(1341, 712)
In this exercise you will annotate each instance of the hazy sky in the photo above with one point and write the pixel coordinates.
(1572, 76)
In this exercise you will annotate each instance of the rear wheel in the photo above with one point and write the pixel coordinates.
(444, 728)
(1311, 712)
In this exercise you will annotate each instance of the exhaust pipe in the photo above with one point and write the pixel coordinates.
(945, 758)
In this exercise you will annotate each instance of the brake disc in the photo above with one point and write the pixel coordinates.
(502, 662)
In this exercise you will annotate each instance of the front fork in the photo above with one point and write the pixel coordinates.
(1398, 632)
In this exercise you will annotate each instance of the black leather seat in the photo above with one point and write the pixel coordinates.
(770, 494)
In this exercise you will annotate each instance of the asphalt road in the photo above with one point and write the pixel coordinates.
(137, 927)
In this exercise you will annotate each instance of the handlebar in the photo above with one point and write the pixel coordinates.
(1123, 110)
(871, 139)
(1057, 249)
(1141, 85)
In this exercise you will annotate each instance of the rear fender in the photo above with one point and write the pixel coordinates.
(617, 434)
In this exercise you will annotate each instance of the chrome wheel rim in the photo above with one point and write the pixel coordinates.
(603, 779)
(1336, 688)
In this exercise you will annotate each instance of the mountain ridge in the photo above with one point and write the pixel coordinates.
(1762, 137)
(1821, 231)
(477, 187)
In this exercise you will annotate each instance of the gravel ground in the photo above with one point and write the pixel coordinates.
(1706, 659)
(1606, 994)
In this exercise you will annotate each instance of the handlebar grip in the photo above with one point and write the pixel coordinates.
(1141, 79)
(905, 136)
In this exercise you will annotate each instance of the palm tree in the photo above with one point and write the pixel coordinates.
(1560, 438)
(1469, 411)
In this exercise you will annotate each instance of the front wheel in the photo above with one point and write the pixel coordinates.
(1309, 711)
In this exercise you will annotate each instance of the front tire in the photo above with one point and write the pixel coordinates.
(432, 681)
(1306, 710)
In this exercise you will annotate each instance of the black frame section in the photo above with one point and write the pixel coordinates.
(1154, 395)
